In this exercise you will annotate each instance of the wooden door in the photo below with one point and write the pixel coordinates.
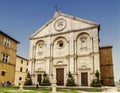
(84, 79)
(39, 78)
(60, 76)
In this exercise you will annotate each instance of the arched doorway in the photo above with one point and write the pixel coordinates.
(60, 76)
(84, 75)
(84, 79)
(39, 78)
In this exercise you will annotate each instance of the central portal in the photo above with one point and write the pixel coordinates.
(60, 76)
(39, 78)
(84, 79)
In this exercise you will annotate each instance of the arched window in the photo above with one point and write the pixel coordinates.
(22, 61)
(21, 69)
(83, 40)
(20, 78)
(27, 70)
(40, 44)
(40, 47)
(27, 63)
(3, 73)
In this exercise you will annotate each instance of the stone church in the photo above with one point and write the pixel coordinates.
(67, 43)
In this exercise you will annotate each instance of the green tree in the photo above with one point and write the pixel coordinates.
(70, 80)
(28, 79)
(97, 74)
(69, 74)
(96, 83)
(46, 81)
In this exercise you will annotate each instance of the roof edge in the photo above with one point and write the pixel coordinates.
(9, 36)
(22, 57)
(59, 13)
(106, 46)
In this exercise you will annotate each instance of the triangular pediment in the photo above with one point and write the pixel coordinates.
(61, 23)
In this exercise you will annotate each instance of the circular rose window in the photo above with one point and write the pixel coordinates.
(60, 44)
(60, 24)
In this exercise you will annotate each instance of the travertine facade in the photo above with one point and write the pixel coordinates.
(8, 49)
(21, 70)
(106, 65)
(64, 44)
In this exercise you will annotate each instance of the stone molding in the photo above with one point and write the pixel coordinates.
(66, 32)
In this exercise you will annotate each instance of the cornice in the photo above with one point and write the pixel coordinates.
(66, 32)
(60, 65)
(67, 56)
(7, 63)
(84, 69)
(106, 65)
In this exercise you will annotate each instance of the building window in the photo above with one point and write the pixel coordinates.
(83, 42)
(27, 70)
(21, 69)
(3, 73)
(40, 47)
(5, 57)
(27, 63)
(41, 44)
(21, 61)
(60, 44)
(20, 78)
(6, 42)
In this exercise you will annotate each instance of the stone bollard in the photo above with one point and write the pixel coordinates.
(118, 87)
(21, 86)
(54, 86)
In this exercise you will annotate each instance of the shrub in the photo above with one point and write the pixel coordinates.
(97, 75)
(95, 83)
(28, 79)
(28, 82)
(70, 80)
(69, 74)
(46, 81)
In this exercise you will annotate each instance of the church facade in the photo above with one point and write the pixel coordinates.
(65, 44)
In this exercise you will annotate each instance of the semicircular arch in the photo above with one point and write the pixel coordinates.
(83, 34)
(59, 38)
(59, 63)
(40, 41)
(83, 66)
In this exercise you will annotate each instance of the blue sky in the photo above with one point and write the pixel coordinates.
(21, 18)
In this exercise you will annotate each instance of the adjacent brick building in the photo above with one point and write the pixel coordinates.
(106, 65)
(8, 49)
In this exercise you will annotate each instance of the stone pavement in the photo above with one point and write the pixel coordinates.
(109, 89)
(106, 89)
